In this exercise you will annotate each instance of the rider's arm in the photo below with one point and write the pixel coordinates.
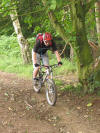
(58, 56)
(54, 48)
(36, 46)
(35, 50)
(34, 57)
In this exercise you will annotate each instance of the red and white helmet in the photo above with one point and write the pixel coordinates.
(47, 36)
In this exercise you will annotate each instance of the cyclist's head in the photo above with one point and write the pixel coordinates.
(47, 38)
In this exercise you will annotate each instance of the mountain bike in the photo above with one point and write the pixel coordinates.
(45, 77)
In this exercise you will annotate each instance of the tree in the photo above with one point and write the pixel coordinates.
(23, 43)
(68, 18)
(10, 8)
(97, 12)
(81, 47)
(83, 52)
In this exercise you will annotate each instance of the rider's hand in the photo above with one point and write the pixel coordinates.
(36, 65)
(59, 63)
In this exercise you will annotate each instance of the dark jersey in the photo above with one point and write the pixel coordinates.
(41, 48)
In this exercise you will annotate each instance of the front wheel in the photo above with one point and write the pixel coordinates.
(51, 93)
(37, 85)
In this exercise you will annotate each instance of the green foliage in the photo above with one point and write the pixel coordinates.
(72, 88)
(55, 4)
(12, 64)
(91, 25)
(29, 20)
(64, 19)
(93, 85)
(33, 18)
(52, 4)
(9, 46)
(7, 6)
(59, 83)
(65, 68)
(31, 42)
(37, 30)
(59, 3)
(68, 88)
(10, 58)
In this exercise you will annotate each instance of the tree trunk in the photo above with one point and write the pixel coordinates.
(23, 43)
(81, 47)
(97, 12)
(71, 53)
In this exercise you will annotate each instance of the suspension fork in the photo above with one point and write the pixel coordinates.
(49, 73)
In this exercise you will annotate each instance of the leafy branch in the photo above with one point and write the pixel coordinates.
(89, 5)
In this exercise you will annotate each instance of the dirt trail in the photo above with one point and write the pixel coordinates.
(24, 111)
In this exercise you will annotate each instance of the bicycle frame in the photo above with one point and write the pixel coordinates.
(46, 76)
(48, 72)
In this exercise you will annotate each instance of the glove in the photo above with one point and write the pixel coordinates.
(36, 65)
(59, 63)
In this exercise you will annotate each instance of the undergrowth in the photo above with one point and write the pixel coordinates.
(11, 61)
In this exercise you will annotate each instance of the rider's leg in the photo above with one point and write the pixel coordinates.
(45, 59)
(35, 72)
(36, 69)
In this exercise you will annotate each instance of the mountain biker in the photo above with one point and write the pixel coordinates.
(43, 44)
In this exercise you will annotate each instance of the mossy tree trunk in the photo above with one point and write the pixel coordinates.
(81, 46)
(23, 43)
(97, 14)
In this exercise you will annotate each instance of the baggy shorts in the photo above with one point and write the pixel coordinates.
(43, 58)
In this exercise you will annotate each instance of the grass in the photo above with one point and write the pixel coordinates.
(11, 62)
(14, 65)
(10, 59)
(67, 66)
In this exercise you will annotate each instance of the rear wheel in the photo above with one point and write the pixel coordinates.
(51, 93)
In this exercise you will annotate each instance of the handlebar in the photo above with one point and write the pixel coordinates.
(51, 66)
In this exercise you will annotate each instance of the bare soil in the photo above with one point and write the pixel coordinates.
(24, 111)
